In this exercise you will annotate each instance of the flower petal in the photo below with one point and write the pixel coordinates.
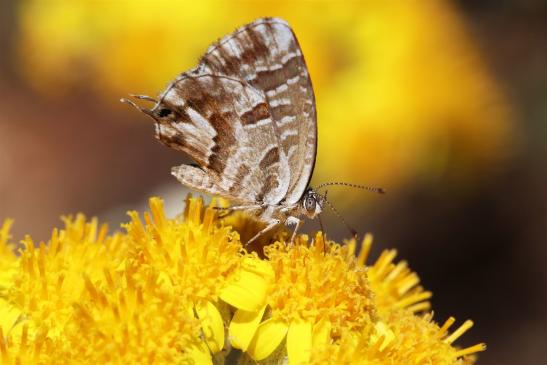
(9, 315)
(243, 327)
(321, 333)
(199, 354)
(248, 289)
(299, 341)
(211, 324)
(268, 336)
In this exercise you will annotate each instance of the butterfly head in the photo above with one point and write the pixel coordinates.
(312, 203)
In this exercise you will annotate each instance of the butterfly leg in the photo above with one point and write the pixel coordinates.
(226, 211)
(271, 224)
(297, 223)
(241, 207)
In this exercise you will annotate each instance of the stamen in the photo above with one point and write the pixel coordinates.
(396, 271)
(408, 283)
(24, 338)
(383, 262)
(419, 307)
(3, 347)
(460, 331)
(471, 350)
(414, 299)
(449, 322)
(365, 249)
(323, 233)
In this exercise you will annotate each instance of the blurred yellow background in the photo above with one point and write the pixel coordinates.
(401, 87)
(440, 102)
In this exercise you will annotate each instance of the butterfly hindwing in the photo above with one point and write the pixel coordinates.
(268, 57)
(225, 125)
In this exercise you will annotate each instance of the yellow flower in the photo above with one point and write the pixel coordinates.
(319, 292)
(399, 335)
(8, 267)
(399, 338)
(50, 277)
(394, 285)
(200, 262)
(168, 290)
(327, 307)
(159, 293)
(8, 260)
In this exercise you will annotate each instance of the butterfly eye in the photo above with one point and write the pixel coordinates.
(309, 204)
(164, 112)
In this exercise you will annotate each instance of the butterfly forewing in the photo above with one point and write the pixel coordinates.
(268, 57)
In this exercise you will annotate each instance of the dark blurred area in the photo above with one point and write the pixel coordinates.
(483, 251)
(477, 240)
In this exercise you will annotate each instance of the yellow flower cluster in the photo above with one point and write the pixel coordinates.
(185, 290)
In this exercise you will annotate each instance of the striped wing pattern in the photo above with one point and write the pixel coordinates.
(246, 115)
(267, 55)
(225, 126)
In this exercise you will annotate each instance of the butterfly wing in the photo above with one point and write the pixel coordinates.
(268, 57)
(225, 125)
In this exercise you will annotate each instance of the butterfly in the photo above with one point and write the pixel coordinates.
(247, 117)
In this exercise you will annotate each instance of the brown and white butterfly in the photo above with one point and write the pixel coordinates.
(246, 115)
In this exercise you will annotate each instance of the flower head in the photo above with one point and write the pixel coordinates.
(156, 294)
(327, 307)
(193, 256)
(319, 293)
(399, 338)
(167, 290)
(198, 261)
(399, 335)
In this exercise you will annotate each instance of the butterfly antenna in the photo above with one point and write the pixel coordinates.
(138, 107)
(352, 231)
(363, 187)
(144, 97)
